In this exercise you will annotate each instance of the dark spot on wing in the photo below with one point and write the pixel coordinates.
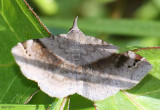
(135, 62)
(121, 60)
(107, 62)
(137, 59)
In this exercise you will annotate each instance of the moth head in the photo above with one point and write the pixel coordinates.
(75, 27)
(75, 34)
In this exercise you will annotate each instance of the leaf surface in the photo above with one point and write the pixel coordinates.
(22, 107)
(17, 23)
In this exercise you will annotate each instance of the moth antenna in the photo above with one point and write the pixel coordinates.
(75, 27)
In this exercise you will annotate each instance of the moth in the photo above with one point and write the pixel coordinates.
(72, 63)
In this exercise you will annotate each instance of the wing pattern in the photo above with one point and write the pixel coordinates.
(74, 63)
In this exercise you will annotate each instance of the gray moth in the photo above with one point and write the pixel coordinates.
(72, 63)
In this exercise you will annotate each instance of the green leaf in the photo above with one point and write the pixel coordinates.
(17, 23)
(109, 26)
(22, 107)
(145, 96)
(78, 102)
(60, 104)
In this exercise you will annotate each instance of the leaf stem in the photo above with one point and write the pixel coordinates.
(60, 104)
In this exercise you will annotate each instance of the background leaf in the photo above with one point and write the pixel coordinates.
(136, 28)
(17, 23)
(22, 107)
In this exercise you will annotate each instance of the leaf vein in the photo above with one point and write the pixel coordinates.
(7, 65)
(8, 87)
(10, 27)
(25, 93)
(132, 100)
